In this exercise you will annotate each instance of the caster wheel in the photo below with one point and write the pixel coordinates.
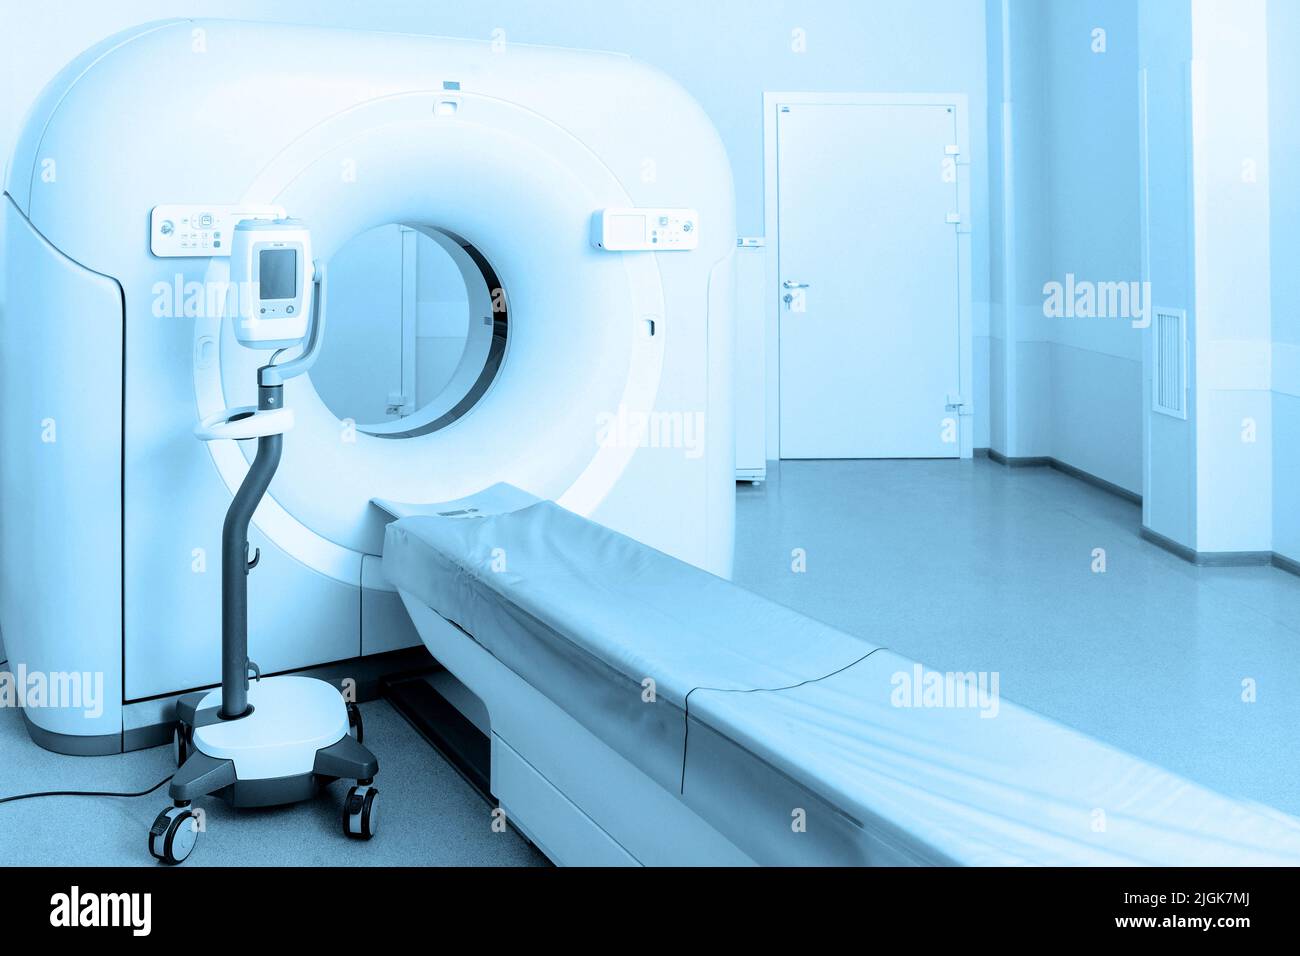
(172, 836)
(361, 812)
(182, 742)
(355, 726)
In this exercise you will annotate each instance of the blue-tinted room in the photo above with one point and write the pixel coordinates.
(850, 433)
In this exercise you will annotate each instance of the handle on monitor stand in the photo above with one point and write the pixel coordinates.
(272, 374)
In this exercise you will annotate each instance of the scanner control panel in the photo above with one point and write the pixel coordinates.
(179, 230)
(645, 230)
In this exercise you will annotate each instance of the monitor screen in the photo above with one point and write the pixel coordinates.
(278, 273)
(627, 231)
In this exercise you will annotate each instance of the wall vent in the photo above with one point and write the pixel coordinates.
(1169, 363)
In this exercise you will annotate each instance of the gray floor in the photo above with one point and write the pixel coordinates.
(963, 565)
(430, 816)
(971, 566)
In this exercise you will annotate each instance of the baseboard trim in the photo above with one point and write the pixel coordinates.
(1223, 559)
(1202, 559)
(1047, 461)
(73, 745)
(1169, 544)
(1038, 461)
(1283, 563)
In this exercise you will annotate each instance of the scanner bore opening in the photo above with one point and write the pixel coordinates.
(416, 331)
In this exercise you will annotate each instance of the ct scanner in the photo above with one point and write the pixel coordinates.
(128, 167)
(639, 708)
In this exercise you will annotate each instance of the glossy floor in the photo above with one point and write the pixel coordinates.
(430, 816)
(972, 566)
(965, 566)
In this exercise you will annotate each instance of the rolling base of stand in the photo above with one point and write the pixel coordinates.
(298, 736)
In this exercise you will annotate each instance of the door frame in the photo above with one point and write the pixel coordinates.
(772, 102)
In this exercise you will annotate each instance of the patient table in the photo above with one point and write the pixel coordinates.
(645, 711)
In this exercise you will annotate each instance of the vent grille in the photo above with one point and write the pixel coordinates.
(1169, 374)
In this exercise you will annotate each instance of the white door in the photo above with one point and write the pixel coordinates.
(868, 270)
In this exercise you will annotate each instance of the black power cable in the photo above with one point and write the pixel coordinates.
(81, 793)
(86, 793)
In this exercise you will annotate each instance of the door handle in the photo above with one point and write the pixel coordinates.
(794, 296)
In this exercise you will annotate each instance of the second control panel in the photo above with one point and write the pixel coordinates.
(645, 230)
(180, 230)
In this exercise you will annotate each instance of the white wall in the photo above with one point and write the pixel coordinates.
(1165, 49)
(1093, 206)
(1284, 147)
(1233, 310)
(1064, 165)
(1218, 482)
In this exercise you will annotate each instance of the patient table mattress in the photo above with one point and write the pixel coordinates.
(616, 633)
(885, 783)
(788, 736)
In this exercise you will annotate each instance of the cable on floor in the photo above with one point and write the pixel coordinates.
(86, 793)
